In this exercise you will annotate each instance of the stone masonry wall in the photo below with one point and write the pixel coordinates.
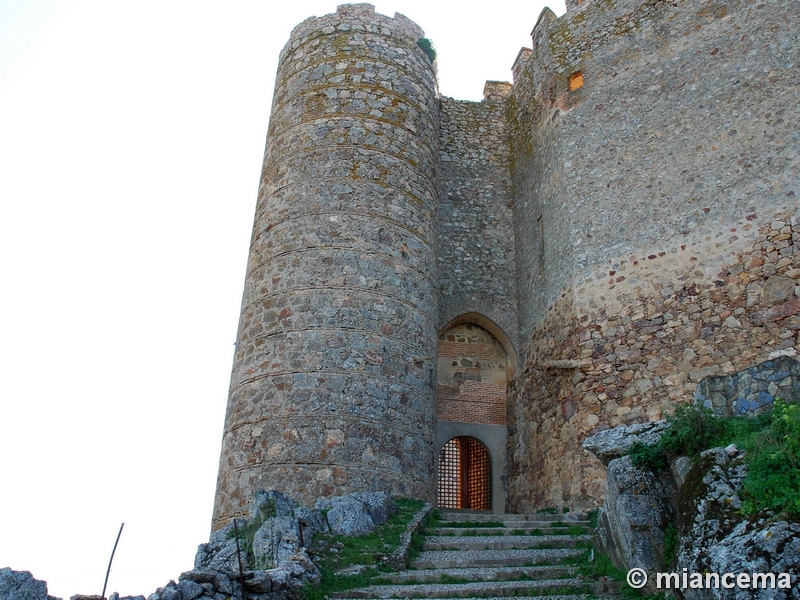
(753, 390)
(472, 370)
(476, 235)
(624, 219)
(656, 219)
(334, 376)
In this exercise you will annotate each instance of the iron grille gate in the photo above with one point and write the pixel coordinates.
(465, 475)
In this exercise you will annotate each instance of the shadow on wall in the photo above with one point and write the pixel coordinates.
(752, 390)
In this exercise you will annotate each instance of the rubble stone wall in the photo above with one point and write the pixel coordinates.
(623, 219)
(477, 269)
(656, 172)
(334, 377)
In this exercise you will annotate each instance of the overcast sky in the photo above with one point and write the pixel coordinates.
(131, 140)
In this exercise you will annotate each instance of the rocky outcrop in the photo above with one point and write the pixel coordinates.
(639, 505)
(357, 514)
(716, 539)
(271, 560)
(701, 499)
(616, 442)
(277, 532)
(20, 585)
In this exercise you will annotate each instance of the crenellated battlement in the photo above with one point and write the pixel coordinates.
(359, 18)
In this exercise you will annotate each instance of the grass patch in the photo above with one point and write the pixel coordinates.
(771, 441)
(576, 530)
(247, 532)
(333, 553)
(472, 524)
(476, 533)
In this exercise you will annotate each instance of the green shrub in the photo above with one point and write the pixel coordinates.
(671, 541)
(692, 428)
(647, 456)
(771, 441)
(773, 458)
(427, 47)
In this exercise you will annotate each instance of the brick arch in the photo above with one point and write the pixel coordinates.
(474, 369)
(498, 332)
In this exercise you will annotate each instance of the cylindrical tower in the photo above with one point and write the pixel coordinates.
(333, 383)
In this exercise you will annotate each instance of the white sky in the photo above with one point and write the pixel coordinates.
(131, 140)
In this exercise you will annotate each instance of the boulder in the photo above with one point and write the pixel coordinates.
(639, 505)
(276, 539)
(220, 582)
(312, 522)
(379, 505)
(190, 590)
(754, 547)
(271, 503)
(260, 582)
(21, 585)
(680, 468)
(708, 507)
(219, 554)
(168, 592)
(302, 568)
(616, 442)
(346, 516)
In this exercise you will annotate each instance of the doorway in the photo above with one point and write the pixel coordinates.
(465, 475)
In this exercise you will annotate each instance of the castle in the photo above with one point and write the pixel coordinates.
(447, 297)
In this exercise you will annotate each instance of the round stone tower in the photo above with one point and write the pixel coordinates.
(333, 383)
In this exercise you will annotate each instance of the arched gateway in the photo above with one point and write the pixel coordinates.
(474, 367)
(465, 475)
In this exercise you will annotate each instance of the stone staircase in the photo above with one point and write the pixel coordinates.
(477, 555)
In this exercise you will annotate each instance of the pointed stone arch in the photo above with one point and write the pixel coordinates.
(498, 332)
(476, 360)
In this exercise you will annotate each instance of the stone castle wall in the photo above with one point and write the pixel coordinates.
(656, 209)
(623, 221)
(477, 268)
(333, 386)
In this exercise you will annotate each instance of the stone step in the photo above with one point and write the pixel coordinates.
(473, 516)
(548, 597)
(506, 542)
(447, 559)
(572, 585)
(517, 528)
(482, 574)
